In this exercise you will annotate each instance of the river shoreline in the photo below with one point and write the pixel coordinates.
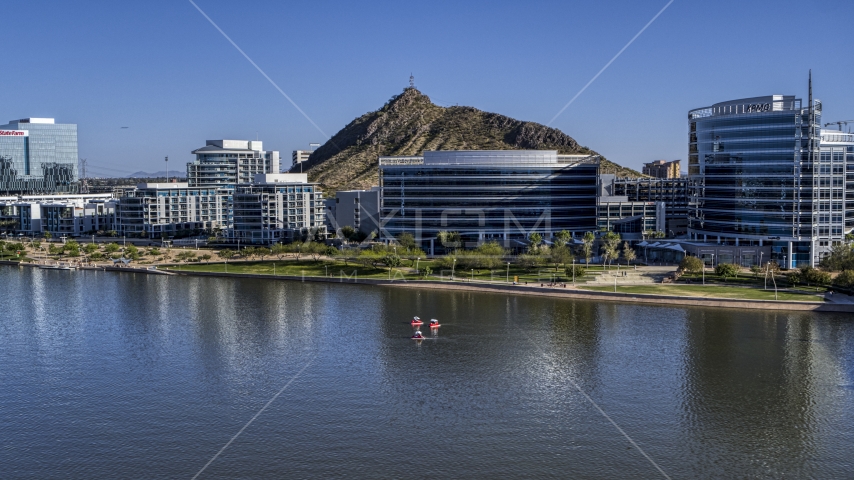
(528, 290)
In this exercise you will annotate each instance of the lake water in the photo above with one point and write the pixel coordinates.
(142, 376)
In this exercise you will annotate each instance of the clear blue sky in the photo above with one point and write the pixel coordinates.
(161, 69)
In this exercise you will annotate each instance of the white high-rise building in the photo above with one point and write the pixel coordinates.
(227, 163)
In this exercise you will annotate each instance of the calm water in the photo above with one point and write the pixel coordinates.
(135, 376)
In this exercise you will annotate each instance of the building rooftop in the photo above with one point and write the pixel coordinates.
(486, 158)
(274, 178)
(163, 185)
(215, 149)
(34, 120)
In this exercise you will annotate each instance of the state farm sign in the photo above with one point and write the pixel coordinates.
(14, 133)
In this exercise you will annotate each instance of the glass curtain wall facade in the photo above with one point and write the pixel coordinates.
(487, 195)
(38, 156)
(751, 167)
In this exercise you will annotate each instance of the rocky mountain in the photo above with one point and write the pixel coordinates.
(410, 124)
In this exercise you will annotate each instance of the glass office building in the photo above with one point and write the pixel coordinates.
(755, 177)
(500, 195)
(38, 155)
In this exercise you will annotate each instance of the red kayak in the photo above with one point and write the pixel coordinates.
(416, 321)
(434, 323)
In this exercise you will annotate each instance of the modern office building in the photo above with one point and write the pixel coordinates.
(277, 208)
(502, 195)
(671, 193)
(158, 210)
(227, 163)
(758, 178)
(662, 169)
(38, 155)
(630, 217)
(359, 209)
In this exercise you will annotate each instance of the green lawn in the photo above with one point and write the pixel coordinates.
(308, 268)
(710, 291)
(335, 268)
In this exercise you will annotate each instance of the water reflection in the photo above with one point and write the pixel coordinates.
(758, 390)
(137, 375)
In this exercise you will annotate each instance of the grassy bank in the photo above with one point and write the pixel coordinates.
(708, 291)
(335, 268)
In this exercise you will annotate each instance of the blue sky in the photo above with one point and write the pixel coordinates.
(161, 69)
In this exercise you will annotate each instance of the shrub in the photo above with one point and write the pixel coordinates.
(726, 270)
(691, 264)
(580, 271)
(844, 279)
(814, 276)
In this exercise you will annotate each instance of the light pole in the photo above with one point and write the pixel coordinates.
(573, 272)
(508, 272)
(453, 267)
(472, 275)
(417, 261)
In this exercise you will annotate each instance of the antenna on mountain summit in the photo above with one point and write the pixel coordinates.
(411, 81)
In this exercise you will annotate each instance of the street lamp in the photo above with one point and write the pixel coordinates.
(417, 261)
(472, 275)
(573, 272)
(453, 267)
(508, 272)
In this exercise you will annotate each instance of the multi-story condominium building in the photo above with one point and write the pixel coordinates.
(758, 178)
(662, 169)
(502, 195)
(835, 188)
(157, 210)
(61, 215)
(38, 155)
(299, 156)
(277, 208)
(227, 163)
